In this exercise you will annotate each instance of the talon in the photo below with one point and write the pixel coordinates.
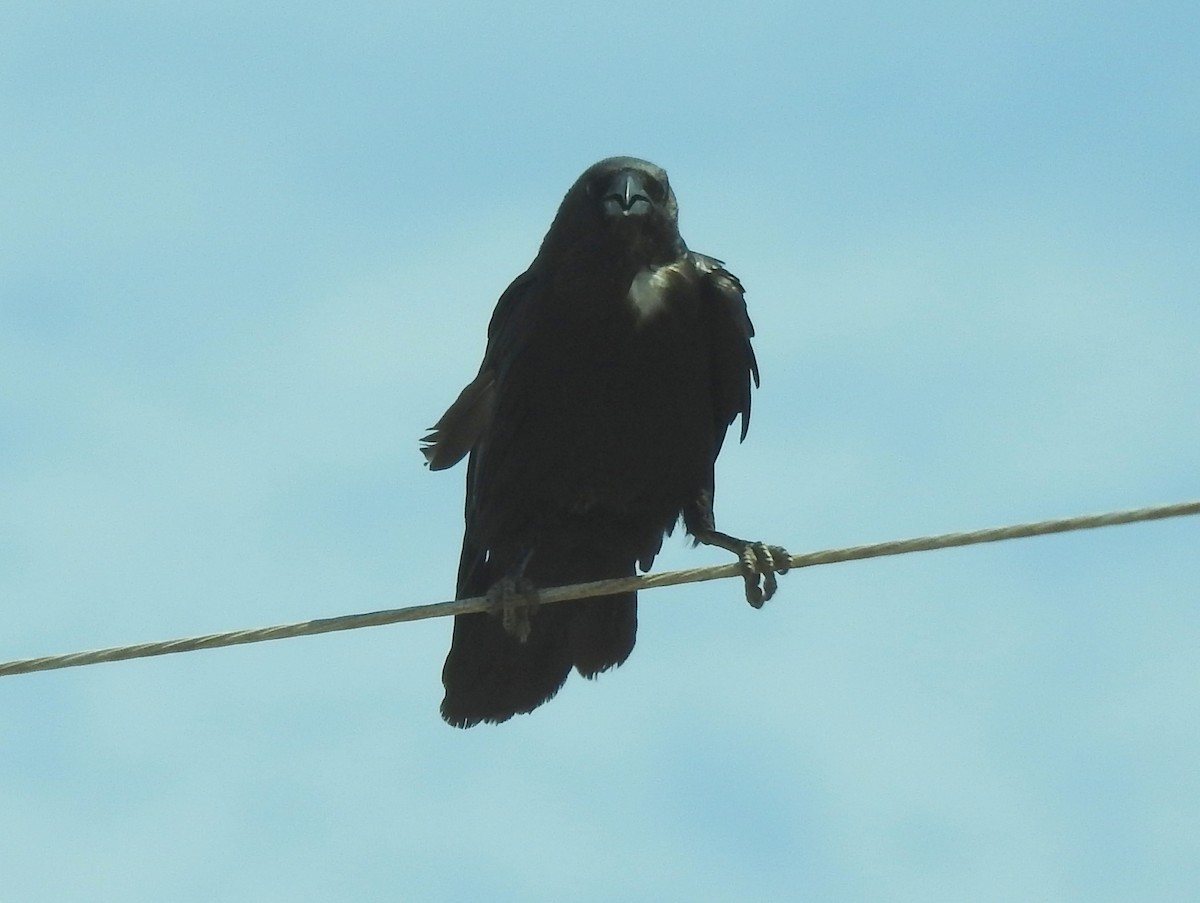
(763, 561)
(759, 561)
(767, 562)
(515, 601)
(782, 558)
(750, 574)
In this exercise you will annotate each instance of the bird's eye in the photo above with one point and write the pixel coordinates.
(657, 190)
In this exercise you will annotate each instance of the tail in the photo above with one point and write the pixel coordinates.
(491, 676)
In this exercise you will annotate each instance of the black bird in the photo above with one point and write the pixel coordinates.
(614, 366)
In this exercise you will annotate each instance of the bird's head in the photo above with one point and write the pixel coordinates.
(630, 190)
(621, 204)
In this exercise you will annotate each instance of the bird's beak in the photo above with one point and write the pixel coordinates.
(626, 196)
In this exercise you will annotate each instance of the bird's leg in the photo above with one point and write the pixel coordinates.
(758, 560)
(514, 599)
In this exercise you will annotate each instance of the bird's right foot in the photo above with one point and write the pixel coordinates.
(514, 600)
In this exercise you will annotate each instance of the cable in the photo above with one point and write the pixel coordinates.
(596, 588)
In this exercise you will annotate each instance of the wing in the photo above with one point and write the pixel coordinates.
(466, 421)
(457, 431)
(730, 331)
(733, 368)
(469, 424)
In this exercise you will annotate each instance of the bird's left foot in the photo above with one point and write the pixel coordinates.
(761, 562)
(514, 600)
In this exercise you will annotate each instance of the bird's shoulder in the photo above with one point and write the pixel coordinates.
(724, 287)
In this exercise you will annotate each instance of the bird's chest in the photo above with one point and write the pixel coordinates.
(619, 396)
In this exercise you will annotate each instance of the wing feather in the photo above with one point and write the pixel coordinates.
(733, 362)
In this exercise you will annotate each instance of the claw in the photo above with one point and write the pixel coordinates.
(761, 561)
(515, 600)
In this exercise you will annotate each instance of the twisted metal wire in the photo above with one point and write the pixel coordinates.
(595, 588)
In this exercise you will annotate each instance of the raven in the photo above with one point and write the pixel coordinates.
(614, 366)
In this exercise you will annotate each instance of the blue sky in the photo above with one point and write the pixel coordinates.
(248, 253)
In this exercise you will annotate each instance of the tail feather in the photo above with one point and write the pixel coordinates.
(601, 632)
(491, 676)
